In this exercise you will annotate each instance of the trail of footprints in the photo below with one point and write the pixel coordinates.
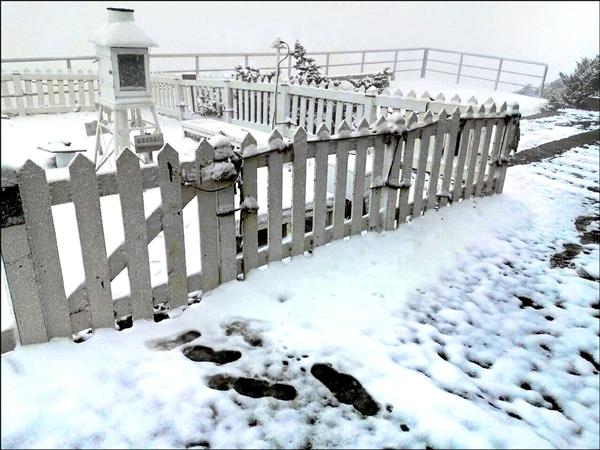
(345, 388)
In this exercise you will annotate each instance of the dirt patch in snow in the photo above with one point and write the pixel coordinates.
(252, 387)
(554, 148)
(175, 341)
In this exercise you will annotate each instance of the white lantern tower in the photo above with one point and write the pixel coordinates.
(125, 88)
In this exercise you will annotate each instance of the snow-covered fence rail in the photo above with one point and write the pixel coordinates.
(385, 174)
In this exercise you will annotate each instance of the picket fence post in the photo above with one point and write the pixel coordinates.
(18, 264)
(227, 102)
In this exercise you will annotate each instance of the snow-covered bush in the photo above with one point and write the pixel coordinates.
(578, 86)
(380, 80)
(250, 73)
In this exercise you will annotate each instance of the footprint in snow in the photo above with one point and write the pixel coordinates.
(171, 342)
(200, 353)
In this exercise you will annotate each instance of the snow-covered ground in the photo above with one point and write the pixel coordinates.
(527, 105)
(463, 326)
(456, 324)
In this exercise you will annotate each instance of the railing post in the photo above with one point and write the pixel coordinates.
(541, 89)
(395, 63)
(370, 108)
(424, 64)
(68, 64)
(227, 102)
(197, 60)
(327, 64)
(498, 74)
(362, 62)
(246, 60)
(460, 63)
(283, 107)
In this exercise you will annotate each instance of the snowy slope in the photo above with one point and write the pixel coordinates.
(461, 325)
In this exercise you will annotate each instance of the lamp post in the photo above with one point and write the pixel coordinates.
(278, 44)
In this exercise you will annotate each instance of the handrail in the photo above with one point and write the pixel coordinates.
(424, 59)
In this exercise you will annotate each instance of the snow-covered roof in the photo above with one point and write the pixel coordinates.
(121, 31)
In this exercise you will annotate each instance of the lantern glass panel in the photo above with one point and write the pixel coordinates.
(132, 76)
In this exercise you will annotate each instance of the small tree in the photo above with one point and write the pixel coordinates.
(578, 86)
(306, 67)
(250, 73)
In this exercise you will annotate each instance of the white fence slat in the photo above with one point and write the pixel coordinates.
(84, 191)
(172, 219)
(39, 88)
(24, 293)
(294, 110)
(129, 182)
(353, 121)
(227, 235)
(360, 114)
(80, 92)
(6, 100)
(71, 87)
(265, 110)
(320, 197)
(319, 118)
(253, 106)
(506, 149)
(302, 119)
(91, 96)
(274, 199)
(329, 116)
(299, 192)
(249, 216)
(310, 118)
(341, 178)
(424, 152)
(483, 160)
(208, 224)
(339, 113)
(391, 198)
(449, 149)
(271, 104)
(35, 196)
(50, 89)
(377, 181)
(28, 91)
(405, 180)
(246, 102)
(472, 158)
(494, 157)
(465, 138)
(259, 108)
(360, 160)
(61, 91)
(434, 172)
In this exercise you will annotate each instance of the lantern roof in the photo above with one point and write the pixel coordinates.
(121, 31)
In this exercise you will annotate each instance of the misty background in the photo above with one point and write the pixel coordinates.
(556, 33)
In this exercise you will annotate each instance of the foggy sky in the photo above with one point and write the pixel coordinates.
(557, 33)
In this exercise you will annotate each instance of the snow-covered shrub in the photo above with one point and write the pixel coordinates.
(207, 106)
(307, 68)
(250, 73)
(380, 80)
(578, 86)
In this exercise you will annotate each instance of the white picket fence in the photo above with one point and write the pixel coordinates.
(426, 163)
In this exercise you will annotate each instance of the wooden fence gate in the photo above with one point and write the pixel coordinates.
(428, 162)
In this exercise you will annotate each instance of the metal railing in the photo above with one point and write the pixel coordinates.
(421, 60)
